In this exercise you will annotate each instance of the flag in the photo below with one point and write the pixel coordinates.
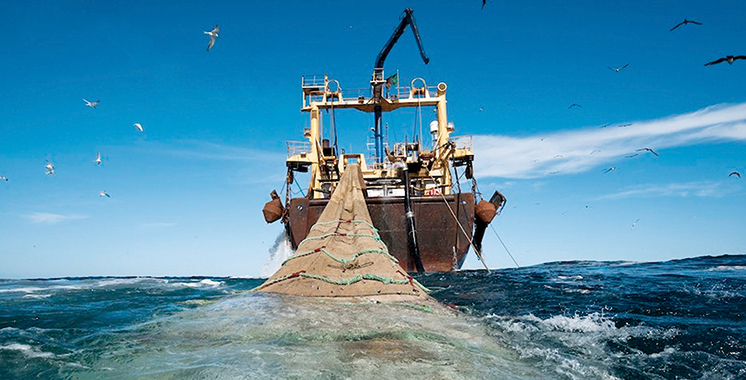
(392, 80)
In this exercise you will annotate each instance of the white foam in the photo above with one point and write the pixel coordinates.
(206, 283)
(280, 251)
(28, 351)
(727, 268)
(586, 323)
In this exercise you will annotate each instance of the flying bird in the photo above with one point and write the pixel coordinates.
(50, 168)
(634, 224)
(618, 69)
(574, 105)
(91, 104)
(213, 34)
(727, 58)
(610, 169)
(103, 193)
(733, 173)
(484, 2)
(98, 159)
(2, 177)
(138, 126)
(649, 150)
(684, 23)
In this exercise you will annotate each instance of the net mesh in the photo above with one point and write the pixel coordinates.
(343, 255)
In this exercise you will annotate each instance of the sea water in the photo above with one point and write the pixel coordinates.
(569, 320)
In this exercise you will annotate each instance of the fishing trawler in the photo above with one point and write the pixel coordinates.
(412, 188)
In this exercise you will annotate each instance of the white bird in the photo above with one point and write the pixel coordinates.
(2, 177)
(610, 169)
(634, 224)
(98, 159)
(103, 193)
(213, 34)
(138, 126)
(618, 69)
(50, 168)
(91, 104)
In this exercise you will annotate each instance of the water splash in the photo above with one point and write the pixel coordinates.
(280, 251)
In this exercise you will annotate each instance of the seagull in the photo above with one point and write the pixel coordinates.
(574, 105)
(98, 159)
(727, 58)
(50, 168)
(684, 23)
(91, 104)
(618, 69)
(733, 173)
(634, 224)
(103, 193)
(649, 150)
(138, 126)
(610, 169)
(213, 34)
(595, 151)
(2, 177)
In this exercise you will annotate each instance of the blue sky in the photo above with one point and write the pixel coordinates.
(186, 194)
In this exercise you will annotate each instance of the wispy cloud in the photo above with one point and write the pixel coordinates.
(708, 189)
(585, 149)
(50, 218)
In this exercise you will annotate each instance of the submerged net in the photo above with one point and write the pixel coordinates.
(343, 255)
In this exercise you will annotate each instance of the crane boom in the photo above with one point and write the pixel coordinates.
(378, 78)
(408, 19)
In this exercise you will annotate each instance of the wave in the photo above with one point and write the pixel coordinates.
(28, 351)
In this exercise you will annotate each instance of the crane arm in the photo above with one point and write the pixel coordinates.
(408, 19)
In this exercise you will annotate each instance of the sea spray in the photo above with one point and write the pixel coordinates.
(278, 253)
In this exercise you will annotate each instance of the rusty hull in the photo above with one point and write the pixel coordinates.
(437, 231)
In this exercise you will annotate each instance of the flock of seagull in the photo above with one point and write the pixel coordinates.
(50, 168)
(728, 58)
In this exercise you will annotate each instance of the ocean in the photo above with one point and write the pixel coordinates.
(680, 319)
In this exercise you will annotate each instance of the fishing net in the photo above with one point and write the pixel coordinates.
(343, 255)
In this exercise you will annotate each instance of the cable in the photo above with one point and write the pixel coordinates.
(504, 246)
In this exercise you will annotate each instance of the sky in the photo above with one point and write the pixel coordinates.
(186, 193)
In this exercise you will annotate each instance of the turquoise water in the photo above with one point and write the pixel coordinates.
(570, 320)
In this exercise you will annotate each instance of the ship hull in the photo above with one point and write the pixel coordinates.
(442, 242)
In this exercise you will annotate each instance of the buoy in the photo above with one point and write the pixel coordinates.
(485, 211)
(273, 209)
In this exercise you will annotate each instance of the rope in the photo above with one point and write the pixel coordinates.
(342, 261)
(479, 254)
(324, 236)
(504, 246)
(348, 281)
(343, 221)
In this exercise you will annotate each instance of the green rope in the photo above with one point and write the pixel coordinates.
(344, 221)
(339, 260)
(349, 281)
(324, 236)
(385, 280)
